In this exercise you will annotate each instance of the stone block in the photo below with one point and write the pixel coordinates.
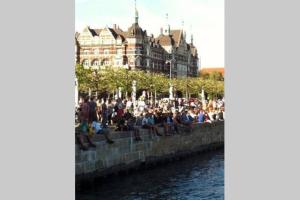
(89, 167)
(79, 168)
(125, 152)
(99, 165)
(91, 156)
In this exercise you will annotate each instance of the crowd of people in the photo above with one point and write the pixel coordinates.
(101, 116)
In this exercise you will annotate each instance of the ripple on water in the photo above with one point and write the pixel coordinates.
(199, 177)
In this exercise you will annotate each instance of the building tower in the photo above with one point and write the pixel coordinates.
(192, 38)
(184, 33)
(136, 13)
(167, 26)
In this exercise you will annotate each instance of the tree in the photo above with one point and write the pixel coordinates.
(110, 79)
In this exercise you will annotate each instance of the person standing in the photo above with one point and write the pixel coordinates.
(84, 126)
(92, 110)
(104, 114)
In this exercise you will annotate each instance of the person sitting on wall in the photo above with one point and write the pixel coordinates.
(207, 118)
(130, 123)
(153, 121)
(97, 128)
(120, 122)
(221, 114)
(211, 114)
(168, 124)
(147, 123)
(185, 120)
(201, 116)
(191, 115)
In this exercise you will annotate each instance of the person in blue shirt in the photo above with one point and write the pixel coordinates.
(201, 117)
(98, 128)
(168, 124)
(149, 123)
(186, 121)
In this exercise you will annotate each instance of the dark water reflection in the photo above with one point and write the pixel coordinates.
(197, 177)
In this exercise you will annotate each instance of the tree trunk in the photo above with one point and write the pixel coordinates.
(151, 96)
(155, 97)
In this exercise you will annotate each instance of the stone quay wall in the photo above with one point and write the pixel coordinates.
(126, 153)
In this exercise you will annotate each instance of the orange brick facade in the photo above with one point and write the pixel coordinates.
(113, 47)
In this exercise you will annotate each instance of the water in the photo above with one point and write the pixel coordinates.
(197, 177)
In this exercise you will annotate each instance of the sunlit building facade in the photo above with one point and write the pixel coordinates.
(134, 49)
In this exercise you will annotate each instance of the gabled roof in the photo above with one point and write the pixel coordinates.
(135, 30)
(98, 31)
(93, 32)
(120, 33)
(165, 40)
(177, 35)
(113, 32)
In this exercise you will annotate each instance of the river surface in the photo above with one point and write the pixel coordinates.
(197, 177)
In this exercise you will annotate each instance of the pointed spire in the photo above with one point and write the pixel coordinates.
(192, 38)
(167, 26)
(182, 27)
(136, 13)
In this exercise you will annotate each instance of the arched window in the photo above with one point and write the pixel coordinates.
(105, 62)
(96, 63)
(85, 63)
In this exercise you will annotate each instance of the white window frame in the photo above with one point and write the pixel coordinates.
(86, 52)
(86, 63)
(96, 51)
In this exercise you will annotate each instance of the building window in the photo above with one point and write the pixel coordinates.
(106, 51)
(85, 52)
(85, 63)
(138, 62)
(96, 63)
(96, 51)
(106, 62)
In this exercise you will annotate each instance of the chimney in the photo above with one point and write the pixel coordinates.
(161, 30)
(115, 26)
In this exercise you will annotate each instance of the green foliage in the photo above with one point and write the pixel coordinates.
(109, 79)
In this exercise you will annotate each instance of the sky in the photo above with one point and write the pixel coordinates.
(203, 18)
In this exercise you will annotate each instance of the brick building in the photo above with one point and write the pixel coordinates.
(133, 47)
